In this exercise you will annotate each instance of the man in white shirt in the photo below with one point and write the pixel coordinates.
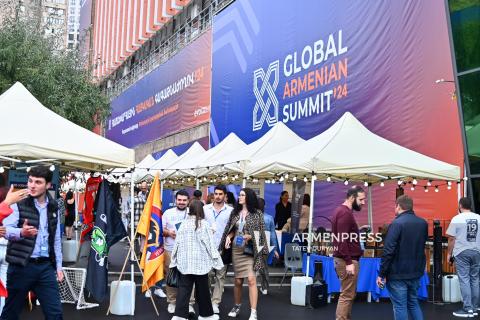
(171, 221)
(217, 214)
(464, 247)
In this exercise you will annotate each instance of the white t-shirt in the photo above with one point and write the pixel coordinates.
(464, 227)
(217, 220)
(171, 220)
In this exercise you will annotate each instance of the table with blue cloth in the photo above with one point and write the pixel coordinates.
(367, 279)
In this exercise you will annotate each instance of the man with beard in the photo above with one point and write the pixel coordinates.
(347, 250)
(171, 221)
(217, 214)
(34, 253)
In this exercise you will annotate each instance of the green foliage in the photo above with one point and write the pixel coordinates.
(57, 78)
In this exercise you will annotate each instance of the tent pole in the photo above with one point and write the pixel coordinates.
(197, 184)
(310, 225)
(370, 207)
(459, 191)
(76, 207)
(132, 235)
(244, 183)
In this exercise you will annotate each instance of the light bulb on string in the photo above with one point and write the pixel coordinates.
(412, 188)
(436, 189)
(449, 183)
(294, 179)
(329, 178)
(28, 169)
(305, 179)
(429, 183)
(426, 189)
(2, 169)
(345, 182)
(286, 175)
(365, 183)
(399, 182)
(314, 177)
(382, 184)
(281, 179)
(52, 167)
(414, 181)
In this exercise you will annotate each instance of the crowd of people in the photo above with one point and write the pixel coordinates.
(201, 239)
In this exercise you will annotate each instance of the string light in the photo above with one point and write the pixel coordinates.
(286, 175)
(329, 178)
(314, 177)
(426, 189)
(305, 179)
(267, 181)
(449, 183)
(436, 189)
(382, 184)
(412, 188)
(294, 179)
(429, 183)
(449, 187)
(281, 179)
(28, 169)
(345, 182)
(2, 169)
(414, 181)
(365, 183)
(399, 182)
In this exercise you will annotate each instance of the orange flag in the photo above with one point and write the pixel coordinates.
(150, 225)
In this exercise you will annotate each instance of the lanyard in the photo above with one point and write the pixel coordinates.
(215, 214)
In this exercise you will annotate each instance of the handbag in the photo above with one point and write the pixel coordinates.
(226, 256)
(248, 249)
(173, 277)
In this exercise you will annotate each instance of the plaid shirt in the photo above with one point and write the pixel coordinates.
(138, 205)
(195, 251)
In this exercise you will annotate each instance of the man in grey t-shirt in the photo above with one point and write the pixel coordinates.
(464, 246)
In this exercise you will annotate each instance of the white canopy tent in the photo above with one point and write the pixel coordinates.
(277, 139)
(195, 166)
(35, 132)
(372, 159)
(194, 152)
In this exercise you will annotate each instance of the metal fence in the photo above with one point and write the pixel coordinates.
(187, 33)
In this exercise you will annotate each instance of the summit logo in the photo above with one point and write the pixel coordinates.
(265, 84)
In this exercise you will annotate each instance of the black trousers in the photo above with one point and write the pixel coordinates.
(202, 295)
(40, 277)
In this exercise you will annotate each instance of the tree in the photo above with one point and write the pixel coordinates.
(57, 78)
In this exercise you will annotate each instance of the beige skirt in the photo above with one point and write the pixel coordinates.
(242, 263)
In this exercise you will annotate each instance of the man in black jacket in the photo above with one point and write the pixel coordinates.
(403, 260)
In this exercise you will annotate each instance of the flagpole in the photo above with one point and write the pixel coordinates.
(132, 238)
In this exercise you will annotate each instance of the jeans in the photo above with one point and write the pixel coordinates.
(467, 264)
(404, 297)
(39, 277)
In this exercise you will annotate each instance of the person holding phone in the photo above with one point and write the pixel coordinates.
(245, 230)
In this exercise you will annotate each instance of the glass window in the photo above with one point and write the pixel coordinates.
(470, 95)
(476, 193)
(465, 18)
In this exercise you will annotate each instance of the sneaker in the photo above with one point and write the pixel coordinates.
(264, 291)
(178, 318)
(171, 308)
(463, 313)
(191, 310)
(475, 312)
(159, 292)
(148, 294)
(235, 311)
(253, 316)
(213, 317)
(215, 308)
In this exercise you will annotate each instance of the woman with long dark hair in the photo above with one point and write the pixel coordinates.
(245, 230)
(283, 210)
(194, 254)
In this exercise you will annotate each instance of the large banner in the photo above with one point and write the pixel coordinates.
(306, 63)
(172, 98)
(84, 30)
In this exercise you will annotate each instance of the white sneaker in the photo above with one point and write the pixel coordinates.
(234, 312)
(178, 318)
(264, 291)
(215, 308)
(253, 316)
(191, 310)
(171, 308)
(214, 317)
(148, 294)
(159, 292)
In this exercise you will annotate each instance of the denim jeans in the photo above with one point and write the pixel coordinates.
(404, 297)
(467, 264)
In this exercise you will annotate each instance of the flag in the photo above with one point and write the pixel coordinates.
(91, 189)
(150, 225)
(108, 230)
